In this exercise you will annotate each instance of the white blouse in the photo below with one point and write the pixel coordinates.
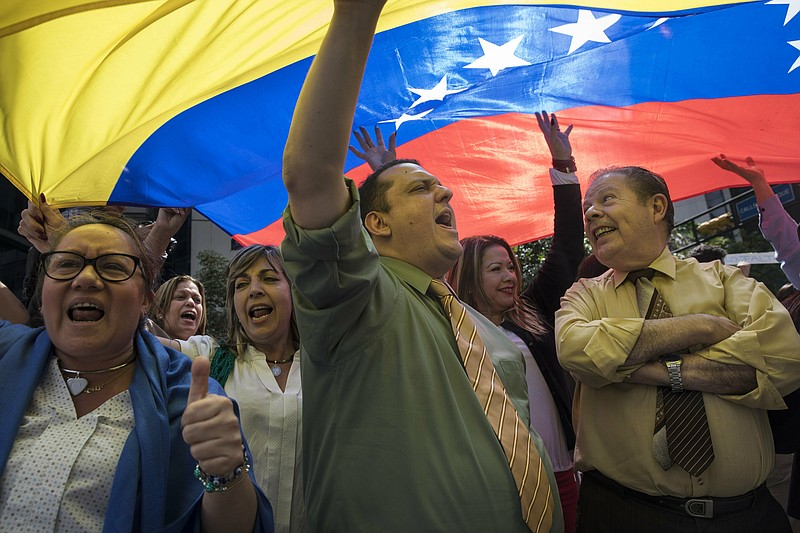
(272, 424)
(59, 474)
(544, 414)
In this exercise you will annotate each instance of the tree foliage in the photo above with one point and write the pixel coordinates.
(531, 256)
(212, 276)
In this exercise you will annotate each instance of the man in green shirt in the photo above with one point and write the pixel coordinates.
(394, 436)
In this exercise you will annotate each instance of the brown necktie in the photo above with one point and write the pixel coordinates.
(681, 433)
(523, 458)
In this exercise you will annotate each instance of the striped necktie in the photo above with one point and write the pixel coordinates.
(681, 434)
(523, 457)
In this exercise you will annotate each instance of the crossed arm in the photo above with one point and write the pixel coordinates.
(670, 335)
(723, 358)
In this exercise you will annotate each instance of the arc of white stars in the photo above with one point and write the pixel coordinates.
(438, 93)
(796, 63)
(588, 28)
(405, 117)
(792, 8)
(497, 58)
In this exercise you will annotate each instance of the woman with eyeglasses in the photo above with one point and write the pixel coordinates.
(178, 310)
(103, 428)
(258, 364)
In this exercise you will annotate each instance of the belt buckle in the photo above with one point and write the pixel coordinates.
(699, 508)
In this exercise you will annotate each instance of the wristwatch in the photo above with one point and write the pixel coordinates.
(673, 363)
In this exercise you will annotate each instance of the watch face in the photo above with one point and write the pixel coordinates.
(670, 358)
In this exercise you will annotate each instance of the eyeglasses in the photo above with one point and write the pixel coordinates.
(64, 266)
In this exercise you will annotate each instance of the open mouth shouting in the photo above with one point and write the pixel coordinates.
(446, 219)
(85, 312)
(259, 313)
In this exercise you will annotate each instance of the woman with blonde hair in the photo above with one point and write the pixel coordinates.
(258, 365)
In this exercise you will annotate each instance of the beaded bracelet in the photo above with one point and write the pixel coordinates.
(222, 483)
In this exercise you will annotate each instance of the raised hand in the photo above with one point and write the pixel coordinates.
(167, 224)
(376, 154)
(210, 427)
(751, 173)
(169, 220)
(557, 140)
(39, 223)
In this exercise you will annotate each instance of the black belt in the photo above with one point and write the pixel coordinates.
(696, 507)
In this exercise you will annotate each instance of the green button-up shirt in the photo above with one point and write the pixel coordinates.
(394, 438)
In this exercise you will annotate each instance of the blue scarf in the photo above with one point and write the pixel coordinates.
(154, 487)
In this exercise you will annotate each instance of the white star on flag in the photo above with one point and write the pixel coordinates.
(793, 8)
(437, 93)
(659, 22)
(405, 117)
(587, 29)
(796, 64)
(496, 58)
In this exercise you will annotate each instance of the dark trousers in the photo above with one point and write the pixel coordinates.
(604, 506)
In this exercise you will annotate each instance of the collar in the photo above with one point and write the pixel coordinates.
(408, 273)
(664, 263)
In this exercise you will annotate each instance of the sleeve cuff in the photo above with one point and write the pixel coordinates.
(326, 244)
(563, 178)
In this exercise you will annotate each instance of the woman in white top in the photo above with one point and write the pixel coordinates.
(258, 365)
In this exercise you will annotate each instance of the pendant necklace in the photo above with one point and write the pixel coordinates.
(77, 384)
(276, 370)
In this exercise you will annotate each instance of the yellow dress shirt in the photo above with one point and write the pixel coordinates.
(596, 329)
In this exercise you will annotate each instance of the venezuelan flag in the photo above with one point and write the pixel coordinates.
(188, 103)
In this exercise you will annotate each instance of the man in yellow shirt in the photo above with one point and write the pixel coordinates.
(727, 337)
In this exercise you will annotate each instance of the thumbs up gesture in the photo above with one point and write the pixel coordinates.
(210, 427)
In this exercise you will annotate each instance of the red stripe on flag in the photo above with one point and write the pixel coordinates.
(497, 166)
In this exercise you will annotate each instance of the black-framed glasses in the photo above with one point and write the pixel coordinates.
(64, 266)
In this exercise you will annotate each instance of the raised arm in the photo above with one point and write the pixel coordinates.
(316, 148)
(560, 266)
(159, 234)
(777, 226)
